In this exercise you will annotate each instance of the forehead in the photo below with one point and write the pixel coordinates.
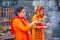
(23, 9)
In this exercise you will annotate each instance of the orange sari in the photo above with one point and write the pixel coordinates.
(20, 27)
(38, 34)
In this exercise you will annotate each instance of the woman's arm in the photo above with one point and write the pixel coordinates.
(18, 24)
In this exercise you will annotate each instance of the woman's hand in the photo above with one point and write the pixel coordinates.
(44, 26)
(37, 21)
(49, 24)
(34, 22)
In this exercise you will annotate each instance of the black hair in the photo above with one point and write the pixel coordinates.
(18, 10)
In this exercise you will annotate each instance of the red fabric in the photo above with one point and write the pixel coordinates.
(38, 16)
(12, 29)
(39, 24)
(20, 18)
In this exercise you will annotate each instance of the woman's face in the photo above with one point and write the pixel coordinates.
(41, 11)
(22, 13)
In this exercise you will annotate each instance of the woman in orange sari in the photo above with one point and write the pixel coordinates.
(38, 28)
(20, 26)
(39, 15)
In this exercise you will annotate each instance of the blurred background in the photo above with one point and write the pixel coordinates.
(52, 11)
